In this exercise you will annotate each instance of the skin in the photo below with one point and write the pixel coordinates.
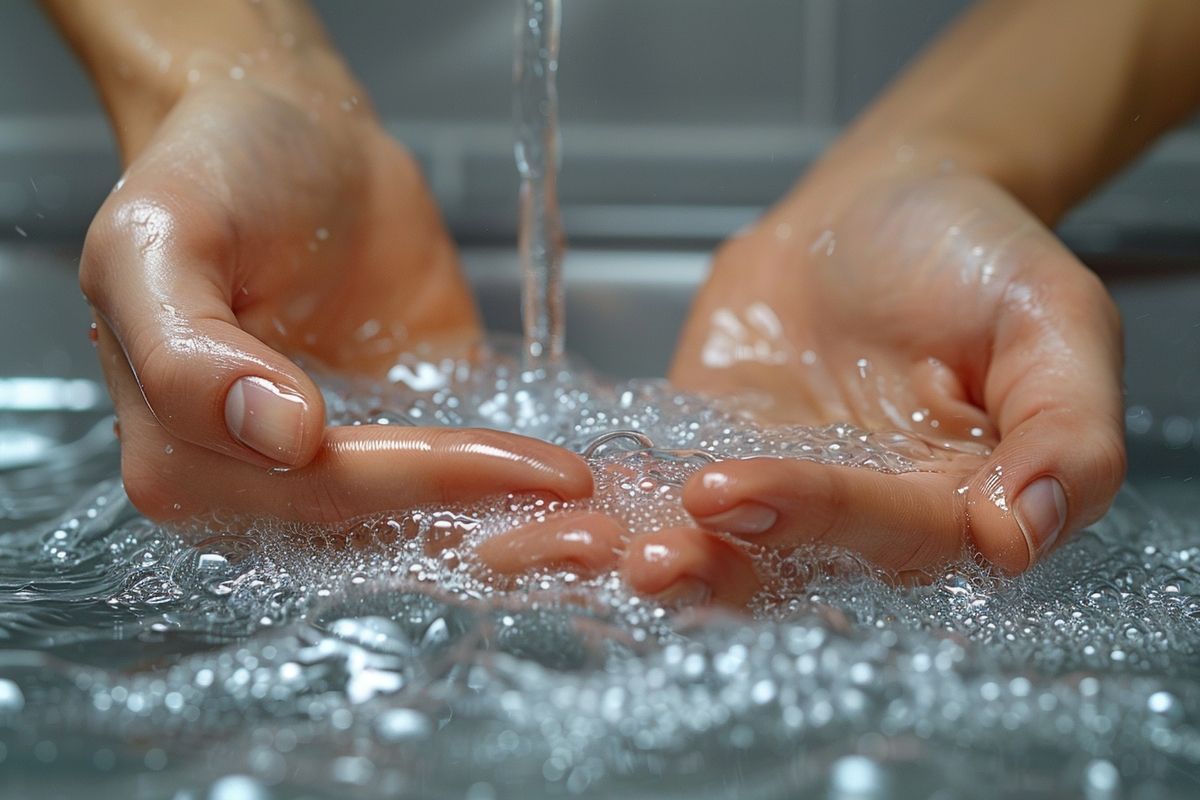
(263, 210)
(909, 279)
(1017, 350)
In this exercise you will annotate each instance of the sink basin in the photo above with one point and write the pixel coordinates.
(143, 661)
(624, 311)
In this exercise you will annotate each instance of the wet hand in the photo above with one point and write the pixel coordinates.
(929, 303)
(631, 527)
(253, 222)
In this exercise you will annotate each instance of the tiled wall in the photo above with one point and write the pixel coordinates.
(681, 117)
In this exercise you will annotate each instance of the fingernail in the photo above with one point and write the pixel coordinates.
(746, 518)
(1041, 512)
(686, 591)
(266, 417)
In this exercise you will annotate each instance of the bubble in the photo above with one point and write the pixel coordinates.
(277, 641)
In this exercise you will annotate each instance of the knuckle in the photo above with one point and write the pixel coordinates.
(1100, 299)
(126, 226)
(143, 222)
(160, 372)
(91, 277)
(95, 264)
(820, 496)
(918, 552)
(325, 504)
(838, 494)
(1111, 460)
(1103, 451)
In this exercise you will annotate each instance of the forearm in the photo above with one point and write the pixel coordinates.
(1048, 97)
(143, 54)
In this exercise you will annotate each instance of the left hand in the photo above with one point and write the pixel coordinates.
(261, 221)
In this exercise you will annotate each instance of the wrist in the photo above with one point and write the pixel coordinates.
(144, 56)
(869, 153)
(870, 159)
(141, 98)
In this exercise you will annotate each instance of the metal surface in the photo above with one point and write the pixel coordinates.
(624, 312)
(677, 127)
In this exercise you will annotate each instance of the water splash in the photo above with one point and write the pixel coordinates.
(376, 658)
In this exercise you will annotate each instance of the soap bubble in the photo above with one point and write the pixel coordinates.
(255, 658)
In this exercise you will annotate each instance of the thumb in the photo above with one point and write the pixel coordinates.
(1053, 388)
(159, 272)
(1055, 473)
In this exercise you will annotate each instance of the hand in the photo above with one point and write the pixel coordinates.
(924, 301)
(257, 221)
(677, 565)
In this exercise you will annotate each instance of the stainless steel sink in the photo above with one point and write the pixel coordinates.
(625, 308)
(624, 311)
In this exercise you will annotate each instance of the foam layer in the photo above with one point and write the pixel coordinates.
(254, 658)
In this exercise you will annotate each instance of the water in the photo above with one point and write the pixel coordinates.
(397, 656)
(251, 658)
(540, 233)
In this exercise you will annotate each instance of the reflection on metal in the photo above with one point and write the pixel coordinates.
(40, 421)
(51, 394)
(37, 453)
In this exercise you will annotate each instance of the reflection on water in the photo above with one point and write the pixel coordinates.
(253, 659)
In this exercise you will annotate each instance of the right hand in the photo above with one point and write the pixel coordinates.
(946, 310)
(255, 222)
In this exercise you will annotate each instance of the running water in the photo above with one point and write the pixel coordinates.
(540, 234)
(253, 659)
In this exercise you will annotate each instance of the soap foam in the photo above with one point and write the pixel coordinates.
(377, 657)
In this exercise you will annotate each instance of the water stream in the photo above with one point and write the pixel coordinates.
(540, 233)
(250, 659)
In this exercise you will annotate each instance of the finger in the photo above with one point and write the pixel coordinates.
(1051, 475)
(164, 289)
(357, 470)
(898, 522)
(363, 470)
(587, 543)
(1054, 388)
(688, 566)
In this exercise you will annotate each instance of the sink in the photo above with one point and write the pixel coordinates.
(624, 311)
(104, 616)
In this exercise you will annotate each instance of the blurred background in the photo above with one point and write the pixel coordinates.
(682, 120)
